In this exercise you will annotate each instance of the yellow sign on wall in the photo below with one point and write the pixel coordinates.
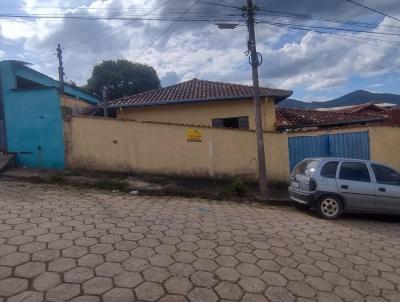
(193, 135)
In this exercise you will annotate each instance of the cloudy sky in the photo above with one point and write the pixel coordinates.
(303, 49)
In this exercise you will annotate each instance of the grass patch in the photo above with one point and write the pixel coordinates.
(237, 187)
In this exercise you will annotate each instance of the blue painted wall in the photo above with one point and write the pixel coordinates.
(28, 73)
(35, 131)
(33, 119)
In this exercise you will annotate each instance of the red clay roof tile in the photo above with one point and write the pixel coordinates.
(392, 117)
(287, 118)
(196, 90)
(362, 108)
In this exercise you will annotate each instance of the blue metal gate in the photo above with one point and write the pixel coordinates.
(349, 145)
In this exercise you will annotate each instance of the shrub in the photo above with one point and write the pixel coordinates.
(237, 187)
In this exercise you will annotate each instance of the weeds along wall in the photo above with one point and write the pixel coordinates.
(113, 145)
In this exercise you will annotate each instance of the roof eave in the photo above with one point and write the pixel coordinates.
(331, 124)
(278, 98)
(284, 96)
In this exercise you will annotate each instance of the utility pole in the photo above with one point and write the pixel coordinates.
(60, 69)
(255, 62)
(105, 102)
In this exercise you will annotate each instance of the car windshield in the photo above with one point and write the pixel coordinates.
(306, 167)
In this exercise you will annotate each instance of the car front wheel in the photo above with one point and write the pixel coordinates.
(329, 207)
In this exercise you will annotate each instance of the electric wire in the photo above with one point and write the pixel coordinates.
(360, 36)
(373, 10)
(376, 66)
(115, 29)
(275, 13)
(335, 28)
(165, 31)
(191, 17)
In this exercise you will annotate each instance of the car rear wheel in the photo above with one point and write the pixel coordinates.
(329, 207)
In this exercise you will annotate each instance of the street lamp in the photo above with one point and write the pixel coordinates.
(227, 25)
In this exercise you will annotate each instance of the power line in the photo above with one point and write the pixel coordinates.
(104, 9)
(201, 35)
(360, 38)
(99, 9)
(116, 29)
(107, 15)
(199, 19)
(347, 37)
(77, 17)
(354, 39)
(311, 17)
(372, 9)
(43, 61)
(376, 67)
(195, 19)
(119, 28)
(223, 4)
(168, 17)
(110, 14)
(118, 9)
(165, 31)
(334, 28)
(337, 54)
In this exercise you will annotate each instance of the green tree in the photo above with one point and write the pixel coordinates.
(122, 78)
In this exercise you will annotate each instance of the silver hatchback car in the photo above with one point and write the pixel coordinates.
(335, 185)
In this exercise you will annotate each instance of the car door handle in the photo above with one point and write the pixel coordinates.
(382, 190)
(344, 187)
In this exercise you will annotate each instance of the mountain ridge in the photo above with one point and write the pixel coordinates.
(356, 97)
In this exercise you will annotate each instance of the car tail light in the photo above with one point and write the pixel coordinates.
(313, 185)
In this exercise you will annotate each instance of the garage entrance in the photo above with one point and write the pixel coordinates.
(348, 145)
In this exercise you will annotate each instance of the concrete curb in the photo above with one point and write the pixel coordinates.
(58, 178)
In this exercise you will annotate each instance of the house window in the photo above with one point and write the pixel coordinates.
(241, 122)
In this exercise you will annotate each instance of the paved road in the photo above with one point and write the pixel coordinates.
(62, 244)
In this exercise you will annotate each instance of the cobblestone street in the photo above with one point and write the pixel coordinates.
(65, 244)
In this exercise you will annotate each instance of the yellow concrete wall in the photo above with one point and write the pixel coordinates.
(269, 118)
(202, 113)
(385, 145)
(276, 156)
(76, 105)
(128, 146)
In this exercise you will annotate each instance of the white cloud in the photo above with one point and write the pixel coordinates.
(324, 61)
(292, 59)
